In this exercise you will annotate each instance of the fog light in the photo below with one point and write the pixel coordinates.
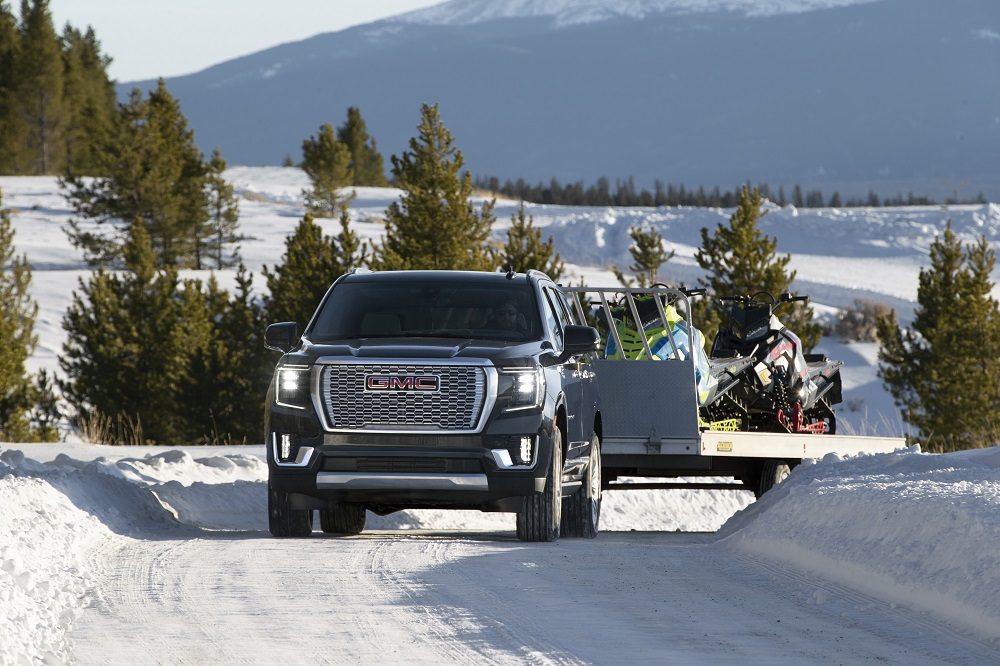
(526, 450)
(286, 446)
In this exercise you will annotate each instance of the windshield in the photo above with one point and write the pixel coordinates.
(497, 311)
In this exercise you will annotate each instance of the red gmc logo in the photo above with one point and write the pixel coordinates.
(402, 382)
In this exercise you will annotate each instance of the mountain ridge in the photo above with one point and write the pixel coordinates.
(822, 98)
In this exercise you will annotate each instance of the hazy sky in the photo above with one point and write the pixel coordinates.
(151, 38)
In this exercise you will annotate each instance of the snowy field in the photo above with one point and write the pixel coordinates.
(887, 558)
(839, 254)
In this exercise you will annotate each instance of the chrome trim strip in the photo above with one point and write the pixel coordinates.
(400, 481)
(503, 460)
(302, 458)
(489, 400)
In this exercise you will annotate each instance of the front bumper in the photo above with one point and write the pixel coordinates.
(398, 471)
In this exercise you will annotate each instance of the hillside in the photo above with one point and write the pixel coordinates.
(888, 94)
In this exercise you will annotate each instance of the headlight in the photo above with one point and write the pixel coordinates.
(291, 386)
(523, 388)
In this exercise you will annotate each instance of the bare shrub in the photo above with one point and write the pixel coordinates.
(858, 322)
(118, 430)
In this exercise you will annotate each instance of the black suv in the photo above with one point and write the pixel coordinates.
(443, 389)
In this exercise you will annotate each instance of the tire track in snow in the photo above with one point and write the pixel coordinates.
(507, 623)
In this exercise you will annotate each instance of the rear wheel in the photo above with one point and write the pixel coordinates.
(343, 518)
(772, 473)
(282, 519)
(540, 513)
(581, 511)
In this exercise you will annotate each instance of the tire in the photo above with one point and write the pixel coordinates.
(581, 511)
(343, 518)
(772, 473)
(282, 519)
(540, 513)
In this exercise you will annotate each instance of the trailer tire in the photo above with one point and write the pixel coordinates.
(343, 518)
(284, 521)
(540, 514)
(581, 511)
(772, 473)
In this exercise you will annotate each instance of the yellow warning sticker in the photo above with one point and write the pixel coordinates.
(724, 447)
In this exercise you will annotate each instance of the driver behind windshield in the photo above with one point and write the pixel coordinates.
(505, 317)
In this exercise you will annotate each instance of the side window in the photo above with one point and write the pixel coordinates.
(570, 315)
(552, 319)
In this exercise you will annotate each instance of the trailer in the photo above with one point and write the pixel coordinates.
(650, 423)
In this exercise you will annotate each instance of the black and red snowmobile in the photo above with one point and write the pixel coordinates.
(785, 390)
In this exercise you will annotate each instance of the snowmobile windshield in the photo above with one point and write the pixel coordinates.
(429, 309)
(750, 323)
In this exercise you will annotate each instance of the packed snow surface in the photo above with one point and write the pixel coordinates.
(912, 532)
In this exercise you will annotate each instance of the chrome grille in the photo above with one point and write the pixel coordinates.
(455, 406)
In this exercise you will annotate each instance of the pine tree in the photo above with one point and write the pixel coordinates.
(941, 372)
(17, 320)
(124, 355)
(434, 224)
(39, 90)
(797, 200)
(312, 261)
(224, 215)
(327, 162)
(648, 253)
(11, 126)
(525, 250)
(366, 162)
(89, 97)
(152, 173)
(741, 260)
(246, 367)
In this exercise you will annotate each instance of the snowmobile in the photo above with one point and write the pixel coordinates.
(787, 390)
(713, 377)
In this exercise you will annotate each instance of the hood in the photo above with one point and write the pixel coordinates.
(420, 348)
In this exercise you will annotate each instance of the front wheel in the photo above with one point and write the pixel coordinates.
(581, 511)
(541, 513)
(282, 519)
(343, 518)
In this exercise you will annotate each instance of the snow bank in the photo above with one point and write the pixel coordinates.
(55, 520)
(913, 529)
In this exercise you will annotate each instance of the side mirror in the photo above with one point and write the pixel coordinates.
(579, 340)
(281, 337)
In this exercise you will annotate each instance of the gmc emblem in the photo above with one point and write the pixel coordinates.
(402, 382)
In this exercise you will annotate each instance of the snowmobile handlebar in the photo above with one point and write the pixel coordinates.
(765, 298)
(688, 292)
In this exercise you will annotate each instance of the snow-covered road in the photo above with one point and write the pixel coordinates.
(473, 598)
(139, 555)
